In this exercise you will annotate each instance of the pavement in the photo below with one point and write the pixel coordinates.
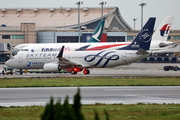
(131, 70)
(91, 95)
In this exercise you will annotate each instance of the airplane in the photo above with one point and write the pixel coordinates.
(82, 60)
(160, 36)
(159, 41)
(96, 36)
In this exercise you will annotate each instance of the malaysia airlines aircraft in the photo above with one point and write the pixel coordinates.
(82, 60)
(159, 41)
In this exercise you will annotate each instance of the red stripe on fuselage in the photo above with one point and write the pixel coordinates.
(105, 47)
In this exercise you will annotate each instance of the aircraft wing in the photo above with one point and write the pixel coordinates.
(65, 62)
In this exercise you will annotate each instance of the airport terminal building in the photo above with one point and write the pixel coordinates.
(58, 25)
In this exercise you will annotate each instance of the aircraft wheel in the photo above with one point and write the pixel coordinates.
(11, 72)
(21, 72)
(3, 72)
(73, 72)
(86, 71)
(166, 68)
(176, 68)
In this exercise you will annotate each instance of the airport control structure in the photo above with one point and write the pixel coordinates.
(60, 25)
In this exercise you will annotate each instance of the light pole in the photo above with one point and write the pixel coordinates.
(27, 34)
(79, 3)
(142, 5)
(134, 22)
(102, 4)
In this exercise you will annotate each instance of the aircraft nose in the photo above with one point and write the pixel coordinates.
(8, 63)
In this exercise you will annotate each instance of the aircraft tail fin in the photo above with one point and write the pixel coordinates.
(143, 39)
(97, 33)
(163, 29)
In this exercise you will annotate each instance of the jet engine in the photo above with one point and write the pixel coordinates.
(52, 67)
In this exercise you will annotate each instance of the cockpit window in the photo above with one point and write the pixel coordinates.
(24, 50)
(15, 51)
(18, 48)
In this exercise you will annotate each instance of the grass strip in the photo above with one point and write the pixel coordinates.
(116, 112)
(89, 81)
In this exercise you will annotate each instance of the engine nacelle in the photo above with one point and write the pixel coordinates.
(52, 67)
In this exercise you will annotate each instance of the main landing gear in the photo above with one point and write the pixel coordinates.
(21, 72)
(86, 71)
(73, 72)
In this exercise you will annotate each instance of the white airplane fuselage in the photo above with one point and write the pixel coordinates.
(54, 47)
(88, 59)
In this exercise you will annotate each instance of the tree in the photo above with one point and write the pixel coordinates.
(66, 111)
(77, 106)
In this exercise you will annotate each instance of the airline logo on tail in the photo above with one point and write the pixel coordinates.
(165, 30)
(143, 39)
(145, 35)
(97, 33)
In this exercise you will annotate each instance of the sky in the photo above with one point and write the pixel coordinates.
(129, 9)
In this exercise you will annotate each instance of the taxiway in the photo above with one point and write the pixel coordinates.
(132, 70)
(90, 95)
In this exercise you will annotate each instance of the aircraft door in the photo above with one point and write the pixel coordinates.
(20, 58)
(124, 56)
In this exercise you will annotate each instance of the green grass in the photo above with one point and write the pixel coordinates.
(116, 112)
(89, 81)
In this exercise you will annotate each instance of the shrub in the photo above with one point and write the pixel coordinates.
(66, 111)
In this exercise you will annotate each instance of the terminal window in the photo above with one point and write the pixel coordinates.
(67, 39)
(169, 38)
(176, 37)
(115, 39)
(129, 37)
(18, 37)
(6, 37)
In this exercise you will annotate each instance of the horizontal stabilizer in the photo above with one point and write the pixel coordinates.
(141, 51)
(161, 45)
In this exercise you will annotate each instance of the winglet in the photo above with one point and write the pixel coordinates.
(60, 55)
(97, 33)
(143, 39)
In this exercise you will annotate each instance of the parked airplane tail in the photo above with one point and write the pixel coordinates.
(162, 31)
(143, 39)
(97, 33)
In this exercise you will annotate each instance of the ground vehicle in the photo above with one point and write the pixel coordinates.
(171, 67)
(7, 71)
